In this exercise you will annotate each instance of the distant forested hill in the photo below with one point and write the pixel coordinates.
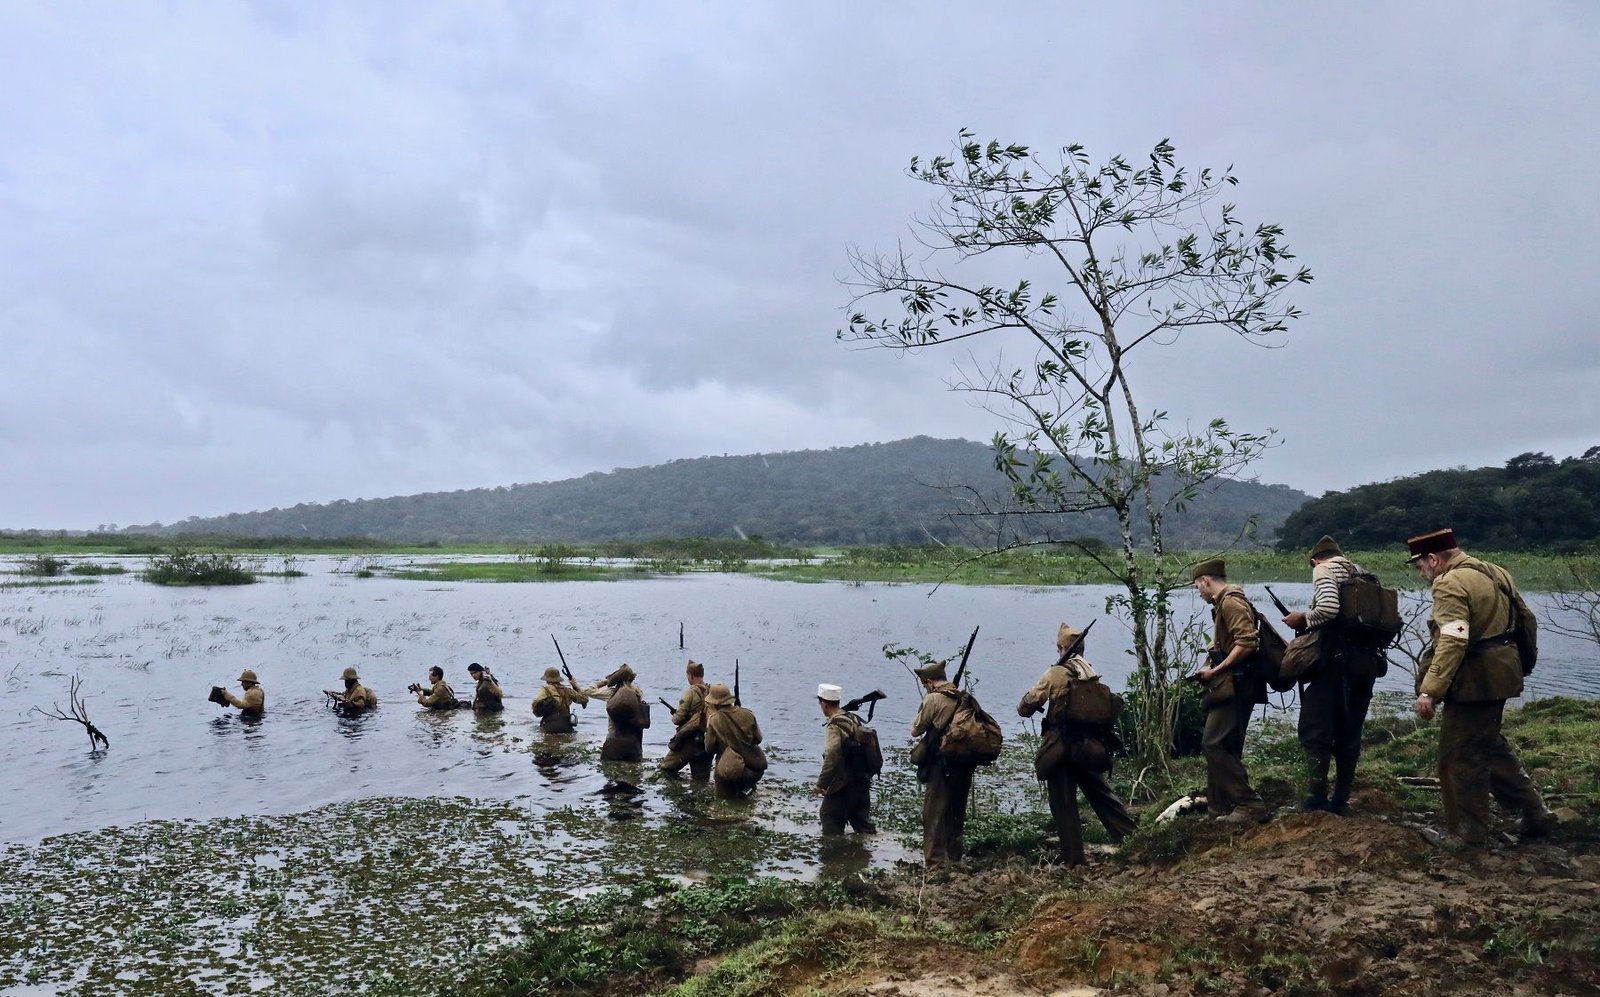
(874, 493)
(1533, 503)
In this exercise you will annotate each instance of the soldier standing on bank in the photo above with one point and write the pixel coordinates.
(254, 701)
(688, 743)
(487, 696)
(946, 786)
(627, 716)
(356, 697)
(844, 784)
(733, 739)
(554, 701)
(1337, 692)
(1080, 755)
(1484, 640)
(439, 695)
(1235, 638)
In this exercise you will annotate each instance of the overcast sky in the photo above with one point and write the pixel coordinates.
(259, 254)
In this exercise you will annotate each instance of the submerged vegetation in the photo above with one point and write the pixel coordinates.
(186, 566)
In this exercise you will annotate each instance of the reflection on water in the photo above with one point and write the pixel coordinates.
(147, 657)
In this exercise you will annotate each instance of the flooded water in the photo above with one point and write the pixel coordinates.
(147, 657)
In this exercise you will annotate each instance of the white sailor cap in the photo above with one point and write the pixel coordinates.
(829, 692)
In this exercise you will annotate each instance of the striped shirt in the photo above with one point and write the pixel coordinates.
(1326, 577)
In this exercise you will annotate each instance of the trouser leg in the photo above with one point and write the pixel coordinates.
(1465, 731)
(861, 808)
(1316, 731)
(835, 813)
(1227, 782)
(1347, 747)
(1113, 814)
(700, 766)
(1063, 793)
(1508, 780)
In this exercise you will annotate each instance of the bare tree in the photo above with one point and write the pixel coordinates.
(79, 713)
(1140, 255)
(1578, 601)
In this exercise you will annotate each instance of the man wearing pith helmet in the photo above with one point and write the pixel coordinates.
(1484, 639)
(356, 697)
(254, 701)
(554, 701)
(1226, 700)
(845, 784)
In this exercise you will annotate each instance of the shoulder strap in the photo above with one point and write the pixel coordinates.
(1513, 614)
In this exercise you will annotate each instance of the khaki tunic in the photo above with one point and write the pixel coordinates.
(252, 704)
(563, 697)
(359, 699)
(1055, 683)
(946, 788)
(1469, 607)
(732, 738)
(440, 697)
(837, 774)
(689, 719)
(1234, 620)
(937, 710)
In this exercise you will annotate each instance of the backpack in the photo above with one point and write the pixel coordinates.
(1517, 633)
(1264, 668)
(544, 706)
(1369, 614)
(865, 754)
(1091, 702)
(627, 708)
(973, 736)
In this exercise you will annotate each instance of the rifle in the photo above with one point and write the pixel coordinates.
(1077, 645)
(1281, 607)
(964, 654)
(736, 683)
(662, 700)
(870, 701)
(563, 658)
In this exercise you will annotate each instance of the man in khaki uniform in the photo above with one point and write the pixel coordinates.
(1234, 640)
(356, 697)
(487, 696)
(439, 695)
(946, 786)
(1337, 693)
(254, 701)
(1473, 666)
(1053, 694)
(733, 741)
(627, 716)
(554, 701)
(688, 744)
(844, 785)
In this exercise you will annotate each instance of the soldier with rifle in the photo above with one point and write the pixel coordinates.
(733, 740)
(438, 695)
(688, 744)
(1079, 739)
(355, 699)
(845, 783)
(487, 696)
(946, 785)
(252, 704)
(627, 716)
(553, 703)
(1229, 795)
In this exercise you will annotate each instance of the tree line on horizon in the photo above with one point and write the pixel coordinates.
(1534, 502)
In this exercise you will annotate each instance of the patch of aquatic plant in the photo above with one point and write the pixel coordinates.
(509, 571)
(188, 566)
(43, 565)
(89, 568)
(47, 583)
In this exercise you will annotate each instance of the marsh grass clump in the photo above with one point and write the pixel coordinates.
(186, 566)
(42, 565)
(91, 569)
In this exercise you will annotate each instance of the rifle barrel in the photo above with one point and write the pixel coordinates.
(964, 655)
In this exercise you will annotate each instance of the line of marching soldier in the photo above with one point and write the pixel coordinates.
(1484, 641)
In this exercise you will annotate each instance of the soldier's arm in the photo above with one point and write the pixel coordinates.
(1324, 595)
(1450, 618)
(755, 730)
(433, 697)
(685, 710)
(1035, 699)
(233, 700)
(832, 757)
(1237, 619)
(922, 723)
(713, 741)
(578, 696)
(600, 691)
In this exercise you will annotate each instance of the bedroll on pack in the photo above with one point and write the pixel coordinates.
(1368, 612)
(973, 737)
(1091, 701)
(544, 706)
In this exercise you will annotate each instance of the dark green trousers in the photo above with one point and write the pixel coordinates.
(944, 812)
(1475, 760)
(1333, 709)
(851, 805)
(1062, 787)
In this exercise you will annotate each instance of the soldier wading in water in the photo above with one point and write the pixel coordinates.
(554, 701)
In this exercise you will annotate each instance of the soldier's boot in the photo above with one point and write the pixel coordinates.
(1318, 800)
(1341, 788)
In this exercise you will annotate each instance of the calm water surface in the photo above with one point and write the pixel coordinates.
(148, 656)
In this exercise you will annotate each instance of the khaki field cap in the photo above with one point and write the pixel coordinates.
(1215, 567)
(552, 675)
(621, 676)
(1066, 635)
(350, 673)
(1431, 543)
(696, 669)
(831, 693)
(1326, 547)
(247, 676)
(718, 695)
(933, 672)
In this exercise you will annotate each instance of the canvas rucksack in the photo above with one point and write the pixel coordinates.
(1091, 702)
(973, 736)
(1264, 668)
(1369, 614)
(865, 752)
(627, 708)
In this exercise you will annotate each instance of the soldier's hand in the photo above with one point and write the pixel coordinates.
(1425, 706)
(1295, 621)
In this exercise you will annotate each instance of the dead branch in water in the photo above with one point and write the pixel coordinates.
(79, 714)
